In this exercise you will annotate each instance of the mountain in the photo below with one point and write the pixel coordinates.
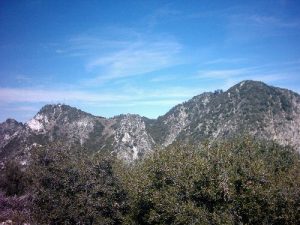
(250, 107)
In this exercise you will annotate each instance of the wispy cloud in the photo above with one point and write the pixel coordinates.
(232, 76)
(21, 95)
(26, 102)
(222, 73)
(122, 53)
(164, 78)
(137, 58)
(225, 61)
(246, 27)
(88, 45)
(271, 21)
(14, 95)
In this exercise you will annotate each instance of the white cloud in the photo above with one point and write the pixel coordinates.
(22, 103)
(138, 58)
(265, 73)
(22, 95)
(262, 20)
(14, 95)
(222, 73)
(164, 78)
(113, 52)
(225, 61)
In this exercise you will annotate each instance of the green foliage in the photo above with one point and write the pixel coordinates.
(13, 179)
(234, 182)
(71, 187)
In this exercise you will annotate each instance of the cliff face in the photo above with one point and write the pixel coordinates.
(249, 107)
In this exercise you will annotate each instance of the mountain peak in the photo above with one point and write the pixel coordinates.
(11, 121)
(247, 84)
(249, 107)
(62, 110)
(55, 114)
(56, 107)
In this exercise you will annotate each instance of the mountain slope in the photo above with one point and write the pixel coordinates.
(249, 107)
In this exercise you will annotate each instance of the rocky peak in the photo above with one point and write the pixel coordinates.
(63, 112)
(9, 129)
(56, 115)
(10, 124)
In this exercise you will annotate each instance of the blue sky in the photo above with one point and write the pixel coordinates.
(113, 57)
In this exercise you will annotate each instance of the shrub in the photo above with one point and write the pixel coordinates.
(13, 179)
(240, 181)
(71, 187)
(234, 182)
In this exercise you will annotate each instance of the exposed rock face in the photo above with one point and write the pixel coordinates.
(249, 107)
(131, 137)
(63, 122)
(175, 121)
(8, 130)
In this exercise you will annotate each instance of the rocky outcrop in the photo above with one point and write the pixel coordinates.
(131, 137)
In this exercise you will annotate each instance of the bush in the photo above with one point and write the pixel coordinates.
(71, 187)
(13, 179)
(234, 182)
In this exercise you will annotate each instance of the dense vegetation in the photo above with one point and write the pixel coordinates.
(15, 200)
(234, 182)
(239, 182)
(71, 187)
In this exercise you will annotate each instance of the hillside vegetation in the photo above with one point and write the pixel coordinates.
(241, 181)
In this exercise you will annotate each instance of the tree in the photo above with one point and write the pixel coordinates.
(72, 187)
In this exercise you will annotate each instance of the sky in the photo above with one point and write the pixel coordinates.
(143, 56)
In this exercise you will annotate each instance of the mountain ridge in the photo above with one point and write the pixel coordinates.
(250, 107)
